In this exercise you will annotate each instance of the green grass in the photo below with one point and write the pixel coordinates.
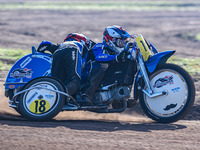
(197, 37)
(191, 65)
(12, 54)
(105, 5)
(9, 56)
(194, 36)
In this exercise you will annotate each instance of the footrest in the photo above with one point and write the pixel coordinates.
(92, 107)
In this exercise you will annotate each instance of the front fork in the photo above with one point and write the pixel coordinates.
(149, 91)
(144, 74)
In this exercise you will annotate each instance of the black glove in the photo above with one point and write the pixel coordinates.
(47, 46)
(122, 56)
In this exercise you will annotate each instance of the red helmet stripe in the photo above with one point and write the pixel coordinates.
(78, 39)
(109, 37)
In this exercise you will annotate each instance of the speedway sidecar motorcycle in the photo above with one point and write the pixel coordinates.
(166, 91)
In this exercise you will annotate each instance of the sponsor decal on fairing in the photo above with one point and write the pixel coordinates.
(25, 62)
(20, 73)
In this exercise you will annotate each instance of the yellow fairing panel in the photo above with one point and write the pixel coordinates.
(144, 49)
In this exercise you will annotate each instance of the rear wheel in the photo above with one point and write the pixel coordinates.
(178, 98)
(41, 104)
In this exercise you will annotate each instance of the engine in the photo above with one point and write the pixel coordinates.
(117, 94)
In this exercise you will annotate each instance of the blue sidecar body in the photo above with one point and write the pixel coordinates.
(28, 68)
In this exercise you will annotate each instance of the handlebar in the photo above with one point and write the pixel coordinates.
(128, 45)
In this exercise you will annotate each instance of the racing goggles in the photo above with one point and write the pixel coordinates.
(122, 42)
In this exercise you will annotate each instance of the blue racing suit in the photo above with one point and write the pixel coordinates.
(94, 72)
(95, 57)
(101, 55)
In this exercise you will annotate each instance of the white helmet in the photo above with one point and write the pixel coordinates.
(115, 38)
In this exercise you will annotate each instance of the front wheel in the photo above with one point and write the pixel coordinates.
(39, 103)
(179, 96)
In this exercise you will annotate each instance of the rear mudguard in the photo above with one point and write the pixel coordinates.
(28, 68)
(151, 64)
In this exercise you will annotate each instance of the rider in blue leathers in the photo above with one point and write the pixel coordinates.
(102, 55)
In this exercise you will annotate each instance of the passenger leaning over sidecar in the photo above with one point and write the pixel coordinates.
(103, 55)
(68, 59)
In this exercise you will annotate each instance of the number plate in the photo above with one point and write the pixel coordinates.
(39, 106)
(143, 47)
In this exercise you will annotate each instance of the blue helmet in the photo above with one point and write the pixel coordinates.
(115, 38)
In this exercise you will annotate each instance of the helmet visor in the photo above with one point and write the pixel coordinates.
(122, 42)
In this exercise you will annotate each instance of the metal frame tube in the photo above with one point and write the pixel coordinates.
(63, 93)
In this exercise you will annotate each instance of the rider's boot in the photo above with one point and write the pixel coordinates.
(86, 101)
(72, 87)
(95, 78)
(131, 103)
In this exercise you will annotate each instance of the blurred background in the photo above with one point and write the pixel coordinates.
(168, 24)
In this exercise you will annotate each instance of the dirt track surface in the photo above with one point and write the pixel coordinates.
(85, 130)
(88, 131)
(99, 135)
